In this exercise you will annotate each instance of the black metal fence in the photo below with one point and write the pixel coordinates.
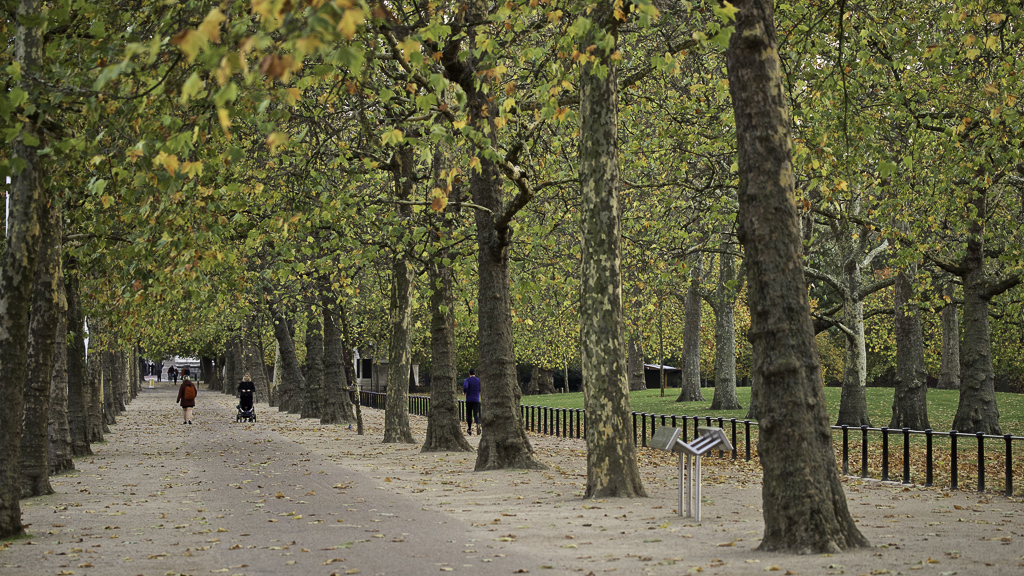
(929, 449)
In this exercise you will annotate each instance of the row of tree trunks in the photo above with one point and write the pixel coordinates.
(77, 374)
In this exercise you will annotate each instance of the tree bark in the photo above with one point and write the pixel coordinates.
(725, 336)
(46, 309)
(94, 382)
(910, 401)
(59, 452)
(804, 506)
(690, 391)
(949, 371)
(396, 412)
(78, 412)
(444, 429)
(635, 364)
(543, 379)
(853, 402)
(612, 469)
(17, 270)
(292, 381)
(337, 409)
(312, 405)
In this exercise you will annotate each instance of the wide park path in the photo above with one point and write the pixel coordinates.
(289, 496)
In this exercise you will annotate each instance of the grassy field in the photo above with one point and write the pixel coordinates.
(941, 406)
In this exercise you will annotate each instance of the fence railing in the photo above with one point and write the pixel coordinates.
(854, 445)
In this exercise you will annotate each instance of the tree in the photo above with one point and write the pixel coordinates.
(804, 506)
(611, 457)
(909, 402)
(18, 264)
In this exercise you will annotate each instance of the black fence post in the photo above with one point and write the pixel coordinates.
(746, 425)
(864, 451)
(735, 446)
(846, 450)
(1009, 464)
(981, 461)
(929, 475)
(953, 483)
(634, 429)
(643, 430)
(906, 455)
(885, 454)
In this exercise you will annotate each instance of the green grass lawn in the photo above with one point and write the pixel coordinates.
(941, 406)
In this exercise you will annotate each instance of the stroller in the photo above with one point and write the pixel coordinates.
(246, 413)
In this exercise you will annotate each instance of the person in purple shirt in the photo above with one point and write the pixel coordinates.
(471, 386)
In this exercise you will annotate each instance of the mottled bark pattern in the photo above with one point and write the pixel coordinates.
(853, 402)
(46, 309)
(94, 381)
(396, 412)
(504, 443)
(611, 455)
(444, 428)
(910, 399)
(725, 336)
(336, 407)
(690, 391)
(312, 405)
(949, 371)
(59, 432)
(804, 506)
(289, 369)
(543, 379)
(77, 375)
(977, 410)
(635, 364)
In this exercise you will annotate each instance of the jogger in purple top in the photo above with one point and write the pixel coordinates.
(471, 386)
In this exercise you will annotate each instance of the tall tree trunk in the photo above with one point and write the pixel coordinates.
(17, 270)
(289, 369)
(350, 401)
(59, 451)
(690, 391)
(444, 429)
(977, 410)
(949, 371)
(503, 443)
(725, 336)
(909, 402)
(804, 506)
(611, 455)
(853, 402)
(312, 404)
(543, 379)
(78, 411)
(337, 409)
(252, 359)
(94, 382)
(396, 413)
(635, 364)
(46, 309)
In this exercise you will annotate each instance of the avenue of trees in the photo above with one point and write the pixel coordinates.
(778, 194)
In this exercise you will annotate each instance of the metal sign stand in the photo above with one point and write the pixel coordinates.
(667, 438)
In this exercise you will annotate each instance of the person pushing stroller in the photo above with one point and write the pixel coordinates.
(246, 392)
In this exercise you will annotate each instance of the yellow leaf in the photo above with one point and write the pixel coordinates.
(292, 96)
(474, 162)
(351, 20)
(393, 137)
(106, 201)
(210, 28)
(554, 16)
(188, 41)
(408, 47)
(225, 119)
(168, 161)
(459, 124)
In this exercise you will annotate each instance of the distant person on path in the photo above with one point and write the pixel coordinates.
(246, 385)
(172, 374)
(471, 386)
(187, 399)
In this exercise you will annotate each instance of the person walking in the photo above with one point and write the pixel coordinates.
(187, 399)
(172, 374)
(471, 386)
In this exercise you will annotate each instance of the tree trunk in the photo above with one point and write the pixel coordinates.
(611, 455)
(396, 412)
(78, 412)
(804, 506)
(350, 401)
(312, 404)
(725, 336)
(689, 391)
(853, 402)
(94, 382)
(949, 372)
(59, 451)
(46, 307)
(543, 379)
(337, 409)
(977, 410)
(255, 366)
(17, 270)
(909, 402)
(288, 368)
(444, 429)
(635, 364)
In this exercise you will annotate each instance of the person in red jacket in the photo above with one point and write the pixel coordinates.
(187, 399)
